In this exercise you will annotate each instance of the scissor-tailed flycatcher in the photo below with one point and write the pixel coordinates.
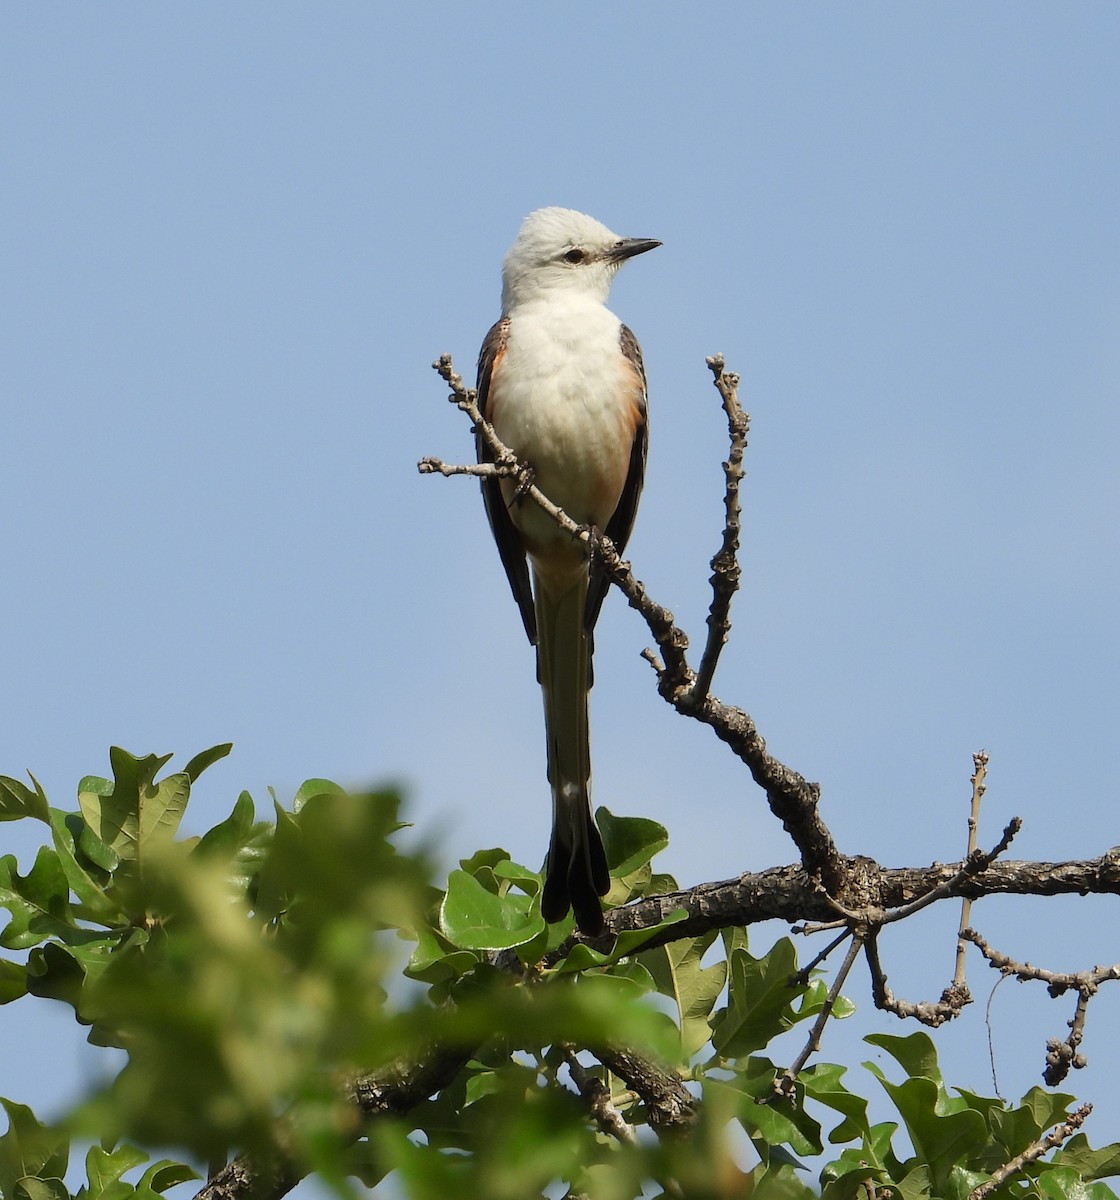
(561, 380)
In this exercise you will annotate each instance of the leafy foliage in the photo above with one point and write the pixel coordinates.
(259, 977)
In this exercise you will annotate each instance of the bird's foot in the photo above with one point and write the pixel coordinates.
(523, 481)
(591, 535)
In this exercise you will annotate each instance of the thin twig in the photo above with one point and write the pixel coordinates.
(726, 571)
(933, 1014)
(436, 466)
(802, 976)
(1060, 1055)
(783, 1083)
(979, 772)
(976, 864)
(1033, 1152)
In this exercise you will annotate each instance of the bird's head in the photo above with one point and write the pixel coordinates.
(559, 250)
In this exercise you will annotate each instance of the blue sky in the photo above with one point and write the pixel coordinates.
(235, 237)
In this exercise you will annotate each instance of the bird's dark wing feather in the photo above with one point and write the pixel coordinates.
(621, 523)
(509, 543)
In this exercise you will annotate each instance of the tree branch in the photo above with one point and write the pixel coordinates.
(393, 1093)
(979, 773)
(671, 1106)
(784, 1083)
(726, 572)
(598, 1097)
(1060, 1055)
(791, 798)
(791, 894)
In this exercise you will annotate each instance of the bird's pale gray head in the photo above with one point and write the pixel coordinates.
(559, 250)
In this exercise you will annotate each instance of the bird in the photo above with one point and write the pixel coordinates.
(562, 383)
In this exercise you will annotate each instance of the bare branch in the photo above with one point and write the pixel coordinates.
(976, 863)
(866, 922)
(933, 1014)
(807, 970)
(1060, 1055)
(783, 1083)
(436, 466)
(790, 894)
(979, 771)
(726, 572)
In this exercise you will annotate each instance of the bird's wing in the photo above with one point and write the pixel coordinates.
(509, 542)
(622, 519)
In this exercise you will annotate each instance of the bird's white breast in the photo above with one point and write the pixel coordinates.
(567, 401)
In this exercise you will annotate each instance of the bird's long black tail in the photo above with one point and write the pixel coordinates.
(577, 873)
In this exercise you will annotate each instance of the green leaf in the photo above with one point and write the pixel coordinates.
(134, 810)
(631, 842)
(205, 759)
(275, 887)
(310, 788)
(480, 1085)
(760, 999)
(104, 1167)
(54, 974)
(1063, 1183)
(435, 960)
(916, 1054)
(581, 956)
(757, 1085)
(166, 1174)
(734, 938)
(775, 1123)
(1047, 1108)
(847, 1178)
(484, 858)
(86, 877)
(915, 1185)
(13, 981)
(232, 834)
(38, 901)
(510, 872)
(677, 971)
(473, 918)
(944, 1133)
(496, 871)
(57, 972)
(816, 997)
(30, 1150)
(240, 841)
(1013, 1131)
(778, 1183)
(1089, 1163)
(41, 1189)
(962, 1182)
(17, 800)
(822, 1082)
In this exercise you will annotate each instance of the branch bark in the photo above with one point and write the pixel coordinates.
(791, 894)
(392, 1094)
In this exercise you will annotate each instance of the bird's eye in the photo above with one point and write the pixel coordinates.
(574, 256)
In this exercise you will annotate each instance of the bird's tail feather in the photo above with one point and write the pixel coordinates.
(577, 873)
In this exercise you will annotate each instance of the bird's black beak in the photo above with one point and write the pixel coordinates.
(628, 247)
